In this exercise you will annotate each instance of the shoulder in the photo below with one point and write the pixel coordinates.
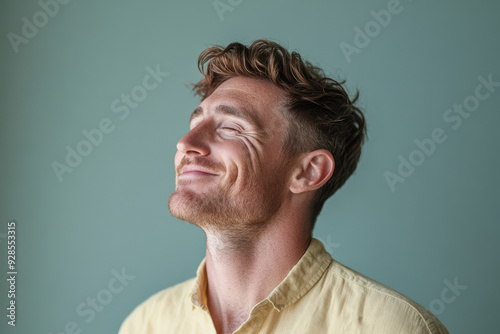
(380, 306)
(165, 303)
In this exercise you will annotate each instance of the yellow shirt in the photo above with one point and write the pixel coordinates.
(319, 295)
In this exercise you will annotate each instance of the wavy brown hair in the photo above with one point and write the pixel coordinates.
(320, 113)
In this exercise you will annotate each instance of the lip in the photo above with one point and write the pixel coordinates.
(196, 171)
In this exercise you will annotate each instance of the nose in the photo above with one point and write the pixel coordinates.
(195, 142)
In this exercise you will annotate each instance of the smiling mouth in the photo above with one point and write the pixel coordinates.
(196, 173)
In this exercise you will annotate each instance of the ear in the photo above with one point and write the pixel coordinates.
(314, 169)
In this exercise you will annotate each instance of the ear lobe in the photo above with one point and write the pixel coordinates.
(315, 169)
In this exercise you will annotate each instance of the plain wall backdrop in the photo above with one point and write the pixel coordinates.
(94, 236)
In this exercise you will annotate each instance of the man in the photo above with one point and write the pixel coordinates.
(272, 139)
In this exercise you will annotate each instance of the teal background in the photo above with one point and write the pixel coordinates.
(110, 212)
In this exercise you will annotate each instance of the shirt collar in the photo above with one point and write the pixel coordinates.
(300, 279)
(198, 292)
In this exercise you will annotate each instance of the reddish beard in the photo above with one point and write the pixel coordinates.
(220, 210)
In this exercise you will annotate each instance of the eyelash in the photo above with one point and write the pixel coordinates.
(227, 128)
(230, 129)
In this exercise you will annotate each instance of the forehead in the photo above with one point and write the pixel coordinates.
(264, 100)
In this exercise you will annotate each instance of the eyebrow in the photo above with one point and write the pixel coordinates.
(232, 111)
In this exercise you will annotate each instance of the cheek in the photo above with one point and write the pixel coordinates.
(253, 152)
(234, 156)
(244, 162)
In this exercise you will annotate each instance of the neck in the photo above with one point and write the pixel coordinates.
(242, 271)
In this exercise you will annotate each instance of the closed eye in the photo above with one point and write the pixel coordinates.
(228, 130)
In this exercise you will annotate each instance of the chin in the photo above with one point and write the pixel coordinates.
(189, 207)
(179, 204)
(217, 210)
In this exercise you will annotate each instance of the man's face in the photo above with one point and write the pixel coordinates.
(231, 174)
